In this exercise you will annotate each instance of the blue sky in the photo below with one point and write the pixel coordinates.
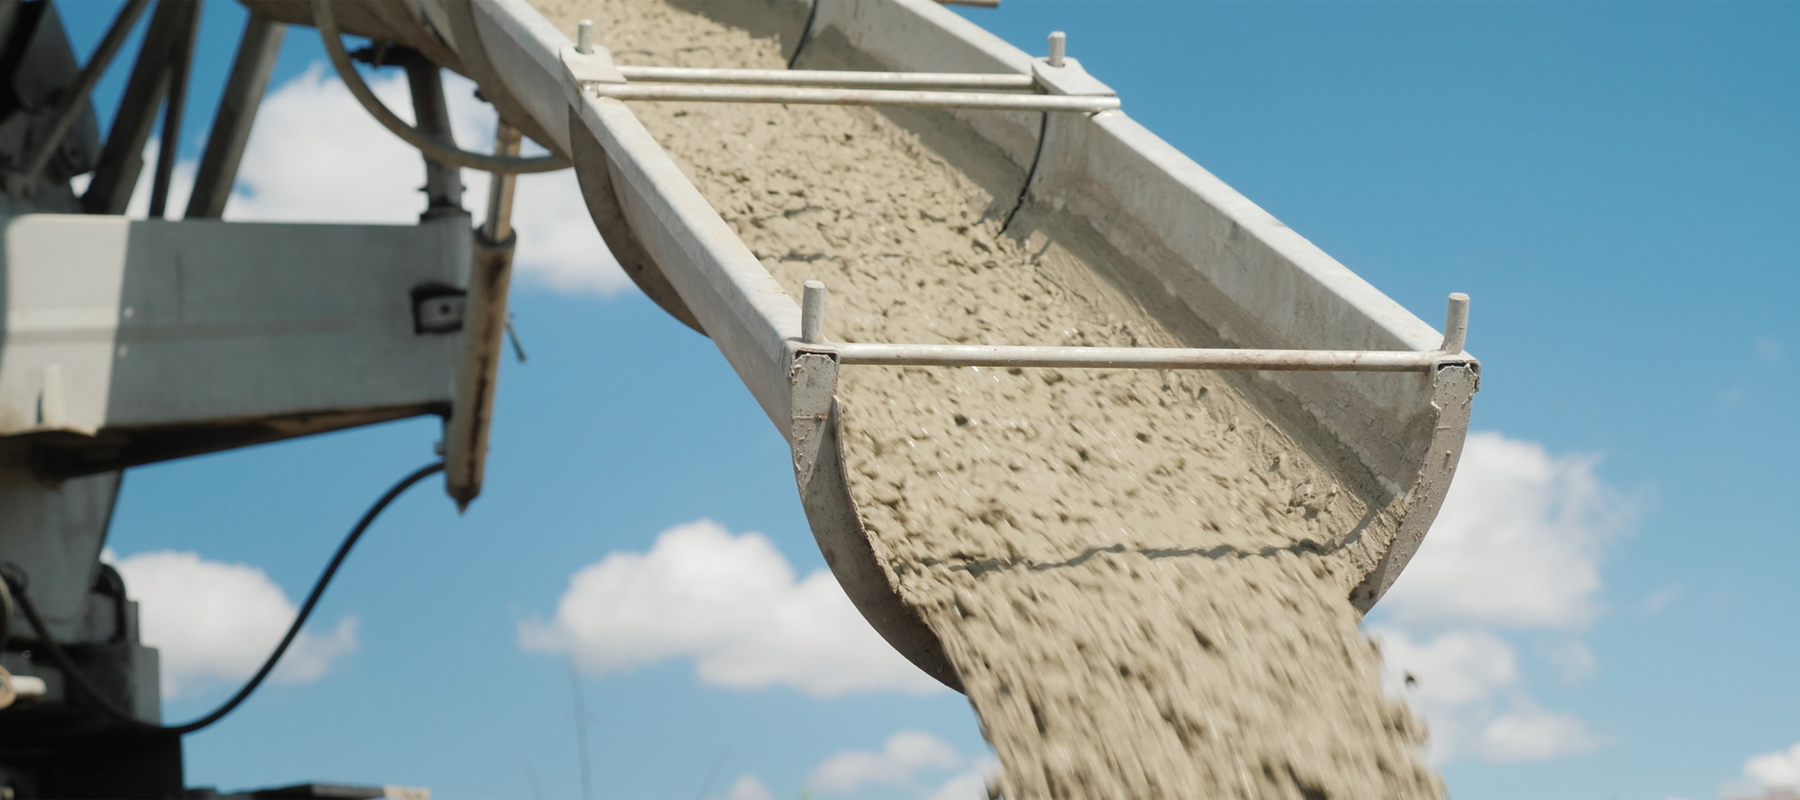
(1612, 183)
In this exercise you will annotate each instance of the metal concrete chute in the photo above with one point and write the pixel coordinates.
(1384, 392)
(126, 342)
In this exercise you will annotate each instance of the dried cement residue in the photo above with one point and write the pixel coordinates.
(1141, 580)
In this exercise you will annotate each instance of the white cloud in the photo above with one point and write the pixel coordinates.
(216, 622)
(905, 754)
(1517, 543)
(1516, 548)
(1528, 733)
(730, 603)
(969, 785)
(1457, 668)
(749, 787)
(315, 155)
(1777, 770)
(1467, 684)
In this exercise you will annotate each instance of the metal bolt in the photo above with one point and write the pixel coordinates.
(584, 37)
(1456, 324)
(812, 313)
(1059, 42)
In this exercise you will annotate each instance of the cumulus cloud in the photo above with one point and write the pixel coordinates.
(730, 603)
(748, 787)
(902, 765)
(1517, 548)
(216, 622)
(1528, 733)
(969, 785)
(903, 756)
(315, 155)
(1777, 770)
(1517, 543)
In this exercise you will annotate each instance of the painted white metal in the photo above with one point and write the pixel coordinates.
(54, 533)
(852, 97)
(1210, 358)
(812, 312)
(812, 327)
(584, 37)
(753, 321)
(830, 77)
(154, 323)
(1456, 324)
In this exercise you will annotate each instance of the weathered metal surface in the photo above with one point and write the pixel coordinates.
(1221, 358)
(594, 170)
(747, 314)
(129, 328)
(483, 331)
(830, 77)
(54, 533)
(1453, 393)
(816, 433)
(250, 72)
(122, 158)
(852, 97)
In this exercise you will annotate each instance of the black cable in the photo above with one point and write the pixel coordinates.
(81, 682)
(1037, 157)
(812, 13)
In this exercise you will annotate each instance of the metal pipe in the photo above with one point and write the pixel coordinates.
(498, 227)
(812, 332)
(1059, 44)
(584, 37)
(431, 116)
(326, 21)
(122, 157)
(1456, 324)
(854, 97)
(250, 72)
(959, 355)
(181, 63)
(75, 98)
(829, 77)
(812, 313)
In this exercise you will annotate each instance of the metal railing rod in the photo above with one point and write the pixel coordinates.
(75, 98)
(853, 97)
(830, 77)
(958, 355)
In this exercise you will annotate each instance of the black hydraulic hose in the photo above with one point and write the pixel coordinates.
(80, 681)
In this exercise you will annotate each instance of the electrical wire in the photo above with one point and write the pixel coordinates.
(17, 584)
